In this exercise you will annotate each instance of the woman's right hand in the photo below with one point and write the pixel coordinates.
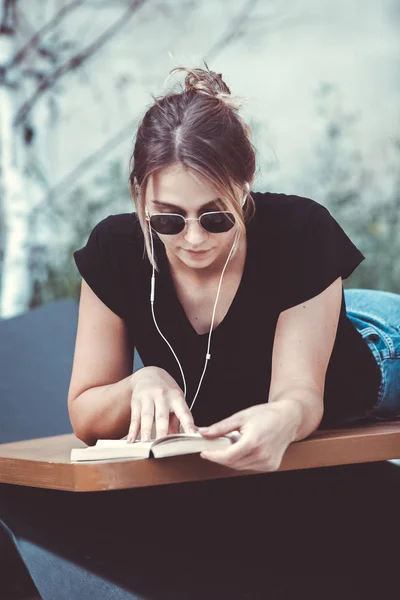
(157, 397)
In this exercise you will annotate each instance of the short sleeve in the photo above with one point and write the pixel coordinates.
(97, 265)
(316, 255)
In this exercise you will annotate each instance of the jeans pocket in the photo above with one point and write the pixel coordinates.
(387, 355)
(387, 406)
(376, 343)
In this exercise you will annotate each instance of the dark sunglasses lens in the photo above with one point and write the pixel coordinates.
(218, 222)
(167, 224)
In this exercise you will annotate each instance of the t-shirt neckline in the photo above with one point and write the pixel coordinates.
(174, 302)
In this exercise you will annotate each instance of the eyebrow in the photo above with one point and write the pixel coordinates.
(158, 204)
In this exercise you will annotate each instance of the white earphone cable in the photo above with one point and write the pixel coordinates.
(208, 355)
(152, 297)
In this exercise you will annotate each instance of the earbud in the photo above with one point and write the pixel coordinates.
(247, 188)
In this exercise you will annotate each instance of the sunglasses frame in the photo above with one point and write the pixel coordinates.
(186, 219)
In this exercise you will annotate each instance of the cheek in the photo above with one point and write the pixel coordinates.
(169, 241)
(226, 239)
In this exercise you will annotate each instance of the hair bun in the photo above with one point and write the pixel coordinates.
(208, 83)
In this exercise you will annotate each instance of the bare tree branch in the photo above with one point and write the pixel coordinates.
(75, 61)
(35, 39)
(231, 33)
(72, 177)
(7, 17)
(64, 185)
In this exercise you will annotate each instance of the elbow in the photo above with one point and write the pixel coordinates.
(83, 434)
(79, 426)
(84, 437)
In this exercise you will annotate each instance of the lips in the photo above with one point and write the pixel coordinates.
(197, 251)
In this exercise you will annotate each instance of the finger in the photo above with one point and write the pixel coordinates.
(222, 427)
(231, 456)
(247, 462)
(135, 422)
(173, 423)
(162, 418)
(257, 464)
(147, 418)
(184, 415)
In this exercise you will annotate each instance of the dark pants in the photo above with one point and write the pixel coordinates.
(325, 533)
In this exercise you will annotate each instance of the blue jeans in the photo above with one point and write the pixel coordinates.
(376, 315)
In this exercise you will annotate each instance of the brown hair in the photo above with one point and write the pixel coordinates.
(200, 128)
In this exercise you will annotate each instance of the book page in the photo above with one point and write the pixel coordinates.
(105, 451)
(119, 444)
(169, 445)
(122, 443)
(187, 445)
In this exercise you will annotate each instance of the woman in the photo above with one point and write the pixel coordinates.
(233, 299)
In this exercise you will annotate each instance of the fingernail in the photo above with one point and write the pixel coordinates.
(203, 429)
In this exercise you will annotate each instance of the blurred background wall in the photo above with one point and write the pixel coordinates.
(322, 80)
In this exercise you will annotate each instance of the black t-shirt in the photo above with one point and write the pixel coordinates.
(295, 250)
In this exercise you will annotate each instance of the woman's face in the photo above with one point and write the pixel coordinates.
(178, 190)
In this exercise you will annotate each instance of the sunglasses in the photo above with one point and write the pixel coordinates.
(171, 224)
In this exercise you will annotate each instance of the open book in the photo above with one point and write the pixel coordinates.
(170, 445)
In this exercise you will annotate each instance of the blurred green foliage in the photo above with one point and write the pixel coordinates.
(365, 203)
(72, 218)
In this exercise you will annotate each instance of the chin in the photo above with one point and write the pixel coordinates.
(198, 264)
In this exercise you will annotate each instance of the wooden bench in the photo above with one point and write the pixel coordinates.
(45, 463)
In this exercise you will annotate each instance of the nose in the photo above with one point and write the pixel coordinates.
(194, 234)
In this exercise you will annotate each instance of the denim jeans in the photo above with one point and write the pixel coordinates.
(376, 315)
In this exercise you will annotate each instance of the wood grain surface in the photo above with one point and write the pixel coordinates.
(45, 462)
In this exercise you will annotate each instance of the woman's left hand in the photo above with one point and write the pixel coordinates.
(266, 431)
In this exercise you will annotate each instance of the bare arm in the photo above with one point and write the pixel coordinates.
(304, 339)
(101, 382)
(105, 399)
(102, 412)
(303, 344)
